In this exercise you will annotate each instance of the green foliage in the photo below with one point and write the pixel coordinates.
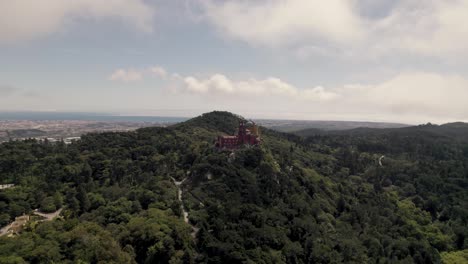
(455, 257)
(322, 199)
(48, 205)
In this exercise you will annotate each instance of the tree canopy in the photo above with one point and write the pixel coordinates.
(318, 199)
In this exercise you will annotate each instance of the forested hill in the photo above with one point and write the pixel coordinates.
(320, 199)
(453, 130)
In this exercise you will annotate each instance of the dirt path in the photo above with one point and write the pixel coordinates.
(380, 160)
(179, 196)
(20, 221)
(182, 207)
(50, 216)
(5, 229)
(6, 186)
(15, 226)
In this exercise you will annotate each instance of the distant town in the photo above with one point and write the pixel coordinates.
(63, 130)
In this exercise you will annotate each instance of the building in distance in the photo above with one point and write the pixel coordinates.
(245, 136)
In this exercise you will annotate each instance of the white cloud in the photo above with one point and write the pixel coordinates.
(27, 19)
(428, 28)
(126, 75)
(158, 71)
(283, 22)
(220, 85)
(425, 27)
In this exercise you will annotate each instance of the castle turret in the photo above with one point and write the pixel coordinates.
(242, 129)
(255, 130)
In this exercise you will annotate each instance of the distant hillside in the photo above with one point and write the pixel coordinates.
(456, 125)
(295, 126)
(451, 130)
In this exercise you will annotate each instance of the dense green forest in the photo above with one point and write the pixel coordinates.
(314, 198)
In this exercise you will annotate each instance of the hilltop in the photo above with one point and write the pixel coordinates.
(292, 199)
(218, 121)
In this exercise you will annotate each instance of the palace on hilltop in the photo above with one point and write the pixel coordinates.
(245, 136)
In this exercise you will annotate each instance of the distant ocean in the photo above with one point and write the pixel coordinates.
(36, 116)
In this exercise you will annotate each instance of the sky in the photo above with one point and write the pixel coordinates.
(368, 60)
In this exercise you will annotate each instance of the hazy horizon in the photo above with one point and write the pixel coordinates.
(187, 114)
(147, 117)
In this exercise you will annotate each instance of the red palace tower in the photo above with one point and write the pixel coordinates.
(245, 136)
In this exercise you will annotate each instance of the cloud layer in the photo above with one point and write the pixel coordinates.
(282, 22)
(132, 75)
(427, 95)
(410, 96)
(430, 28)
(27, 19)
(221, 85)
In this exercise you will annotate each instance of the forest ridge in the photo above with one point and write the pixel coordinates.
(308, 198)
